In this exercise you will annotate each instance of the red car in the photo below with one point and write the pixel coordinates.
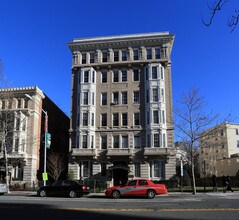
(137, 187)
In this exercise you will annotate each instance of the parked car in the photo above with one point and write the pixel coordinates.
(3, 188)
(137, 187)
(69, 188)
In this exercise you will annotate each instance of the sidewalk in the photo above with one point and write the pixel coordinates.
(219, 193)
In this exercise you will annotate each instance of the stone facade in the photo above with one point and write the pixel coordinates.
(219, 150)
(121, 108)
(22, 133)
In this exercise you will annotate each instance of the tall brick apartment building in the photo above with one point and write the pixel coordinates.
(121, 108)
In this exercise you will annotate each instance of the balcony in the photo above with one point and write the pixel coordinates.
(156, 151)
(119, 152)
(83, 152)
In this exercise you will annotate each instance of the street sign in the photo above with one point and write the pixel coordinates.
(44, 176)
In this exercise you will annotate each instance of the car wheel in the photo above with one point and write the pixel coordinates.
(72, 194)
(115, 194)
(42, 193)
(151, 194)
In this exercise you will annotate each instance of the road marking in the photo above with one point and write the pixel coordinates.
(152, 209)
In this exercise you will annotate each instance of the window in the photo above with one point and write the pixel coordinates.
(103, 169)
(136, 75)
(157, 53)
(162, 72)
(104, 142)
(136, 97)
(86, 76)
(136, 141)
(124, 75)
(18, 121)
(92, 119)
(164, 140)
(125, 141)
(124, 55)
(155, 117)
(116, 141)
(124, 98)
(236, 131)
(83, 58)
(149, 54)
(154, 72)
(93, 77)
(84, 141)
(156, 140)
(157, 169)
(104, 57)
(124, 119)
(93, 98)
(104, 98)
(146, 73)
(24, 125)
(25, 103)
(18, 103)
(23, 145)
(85, 98)
(16, 144)
(116, 76)
(116, 56)
(104, 119)
(92, 57)
(87, 170)
(137, 172)
(136, 118)
(136, 54)
(132, 183)
(92, 142)
(143, 182)
(149, 140)
(162, 94)
(155, 95)
(85, 119)
(238, 144)
(163, 116)
(104, 76)
(3, 104)
(115, 119)
(115, 98)
(147, 95)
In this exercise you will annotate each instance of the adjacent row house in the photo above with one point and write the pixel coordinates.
(22, 139)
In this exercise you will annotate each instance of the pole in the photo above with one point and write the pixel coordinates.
(6, 167)
(46, 130)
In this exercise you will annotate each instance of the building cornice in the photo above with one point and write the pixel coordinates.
(27, 89)
(121, 40)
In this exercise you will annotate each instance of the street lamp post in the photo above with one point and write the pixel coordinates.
(45, 130)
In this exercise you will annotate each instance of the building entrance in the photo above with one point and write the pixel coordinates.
(120, 173)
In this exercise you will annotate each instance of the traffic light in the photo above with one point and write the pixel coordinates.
(48, 140)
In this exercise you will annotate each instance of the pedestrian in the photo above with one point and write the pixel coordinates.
(224, 184)
(214, 183)
(228, 184)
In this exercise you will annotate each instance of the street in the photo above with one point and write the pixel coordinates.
(95, 206)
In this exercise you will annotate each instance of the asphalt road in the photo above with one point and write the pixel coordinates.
(172, 206)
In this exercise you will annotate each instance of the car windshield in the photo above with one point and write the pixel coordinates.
(58, 183)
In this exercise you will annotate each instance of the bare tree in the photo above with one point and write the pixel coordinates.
(215, 8)
(190, 121)
(55, 165)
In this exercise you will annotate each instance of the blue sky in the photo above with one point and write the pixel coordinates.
(35, 33)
